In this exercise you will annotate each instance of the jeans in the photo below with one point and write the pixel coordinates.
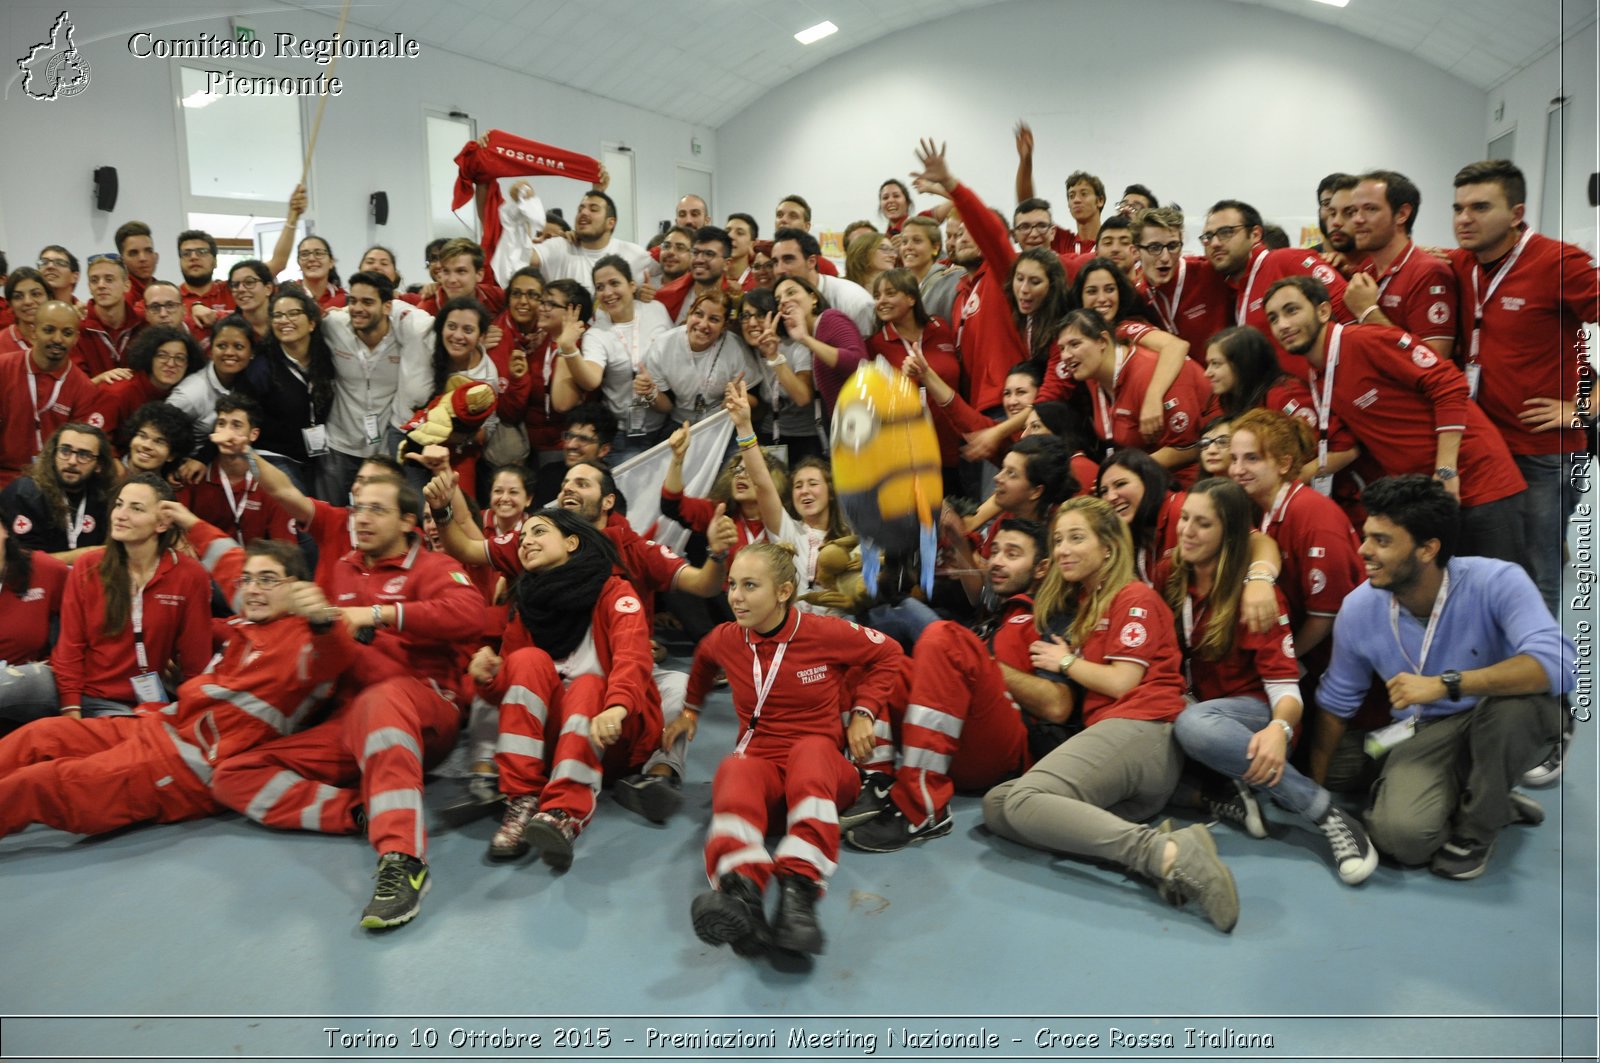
(1217, 733)
(1494, 529)
(333, 475)
(903, 621)
(1546, 507)
(28, 693)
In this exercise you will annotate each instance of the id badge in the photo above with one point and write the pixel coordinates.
(1323, 485)
(316, 438)
(1474, 372)
(369, 425)
(1384, 739)
(147, 688)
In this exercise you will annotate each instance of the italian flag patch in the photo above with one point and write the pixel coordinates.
(461, 577)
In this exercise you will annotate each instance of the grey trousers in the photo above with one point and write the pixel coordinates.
(1453, 778)
(1081, 798)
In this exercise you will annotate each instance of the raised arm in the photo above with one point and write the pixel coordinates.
(281, 250)
(1024, 162)
(736, 400)
(276, 483)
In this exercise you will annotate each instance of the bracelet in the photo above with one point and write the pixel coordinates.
(779, 360)
(445, 515)
(1288, 731)
(377, 616)
(1361, 318)
(862, 710)
(746, 442)
(1260, 577)
(567, 354)
(691, 711)
(719, 556)
(1265, 566)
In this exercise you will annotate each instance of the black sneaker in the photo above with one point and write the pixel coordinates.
(552, 834)
(795, 927)
(655, 797)
(889, 830)
(402, 883)
(874, 799)
(1198, 874)
(1462, 858)
(1240, 808)
(1548, 773)
(1353, 855)
(732, 915)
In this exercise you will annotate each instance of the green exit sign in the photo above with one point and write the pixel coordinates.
(242, 32)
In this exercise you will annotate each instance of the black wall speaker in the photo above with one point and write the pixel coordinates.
(1594, 190)
(380, 207)
(105, 187)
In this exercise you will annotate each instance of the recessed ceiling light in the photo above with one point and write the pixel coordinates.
(1335, 3)
(199, 98)
(825, 29)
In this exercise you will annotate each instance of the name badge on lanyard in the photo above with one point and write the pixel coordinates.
(1323, 482)
(1474, 368)
(147, 684)
(76, 528)
(763, 683)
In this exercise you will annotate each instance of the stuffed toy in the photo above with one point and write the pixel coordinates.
(452, 419)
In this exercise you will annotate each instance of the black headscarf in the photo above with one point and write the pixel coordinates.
(557, 604)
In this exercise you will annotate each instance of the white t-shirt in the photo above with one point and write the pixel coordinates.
(560, 259)
(791, 420)
(807, 542)
(695, 380)
(604, 348)
(649, 321)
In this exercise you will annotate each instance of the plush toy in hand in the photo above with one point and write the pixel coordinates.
(839, 583)
(452, 418)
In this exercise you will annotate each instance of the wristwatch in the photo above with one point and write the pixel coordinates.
(1444, 473)
(1452, 683)
(1067, 660)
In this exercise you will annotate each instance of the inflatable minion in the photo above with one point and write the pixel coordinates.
(886, 467)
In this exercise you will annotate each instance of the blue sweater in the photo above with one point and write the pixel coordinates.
(1493, 613)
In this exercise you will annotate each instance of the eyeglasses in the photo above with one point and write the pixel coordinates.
(108, 256)
(372, 508)
(1222, 233)
(266, 580)
(249, 284)
(179, 358)
(1215, 441)
(677, 248)
(1130, 205)
(162, 308)
(1033, 227)
(579, 437)
(194, 252)
(525, 294)
(701, 252)
(288, 315)
(313, 253)
(46, 263)
(551, 304)
(74, 454)
(1154, 248)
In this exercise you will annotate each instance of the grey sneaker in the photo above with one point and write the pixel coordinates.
(1526, 809)
(402, 883)
(1462, 858)
(1198, 874)
(1353, 854)
(1548, 772)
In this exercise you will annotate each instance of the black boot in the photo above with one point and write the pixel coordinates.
(732, 915)
(795, 926)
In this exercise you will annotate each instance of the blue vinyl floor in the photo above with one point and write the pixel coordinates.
(220, 939)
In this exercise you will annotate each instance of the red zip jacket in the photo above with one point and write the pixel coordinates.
(25, 633)
(177, 624)
(806, 696)
(986, 335)
(21, 435)
(268, 681)
(440, 612)
(621, 641)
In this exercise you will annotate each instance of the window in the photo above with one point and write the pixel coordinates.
(447, 132)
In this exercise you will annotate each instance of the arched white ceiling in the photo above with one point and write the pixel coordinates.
(703, 61)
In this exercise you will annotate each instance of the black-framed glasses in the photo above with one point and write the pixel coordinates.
(371, 507)
(313, 253)
(194, 252)
(705, 252)
(1155, 247)
(76, 454)
(46, 263)
(551, 304)
(1220, 440)
(1033, 226)
(171, 358)
(162, 308)
(265, 580)
(288, 315)
(1223, 233)
(249, 284)
(579, 437)
(525, 294)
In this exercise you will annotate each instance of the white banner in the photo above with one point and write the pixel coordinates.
(639, 478)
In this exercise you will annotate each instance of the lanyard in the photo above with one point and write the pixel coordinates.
(764, 684)
(138, 627)
(1428, 633)
(1188, 640)
(294, 367)
(1101, 402)
(1244, 297)
(1479, 302)
(38, 411)
(711, 372)
(1324, 405)
(227, 488)
(1169, 310)
(1394, 270)
(75, 529)
(1274, 515)
(629, 333)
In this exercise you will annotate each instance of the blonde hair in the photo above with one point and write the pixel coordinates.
(930, 229)
(1057, 597)
(779, 558)
(858, 257)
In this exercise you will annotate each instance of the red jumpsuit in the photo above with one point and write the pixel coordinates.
(790, 741)
(962, 730)
(539, 697)
(91, 776)
(399, 717)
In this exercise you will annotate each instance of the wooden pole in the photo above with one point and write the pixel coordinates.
(322, 101)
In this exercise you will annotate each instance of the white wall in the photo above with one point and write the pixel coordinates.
(371, 138)
(1567, 71)
(1199, 99)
